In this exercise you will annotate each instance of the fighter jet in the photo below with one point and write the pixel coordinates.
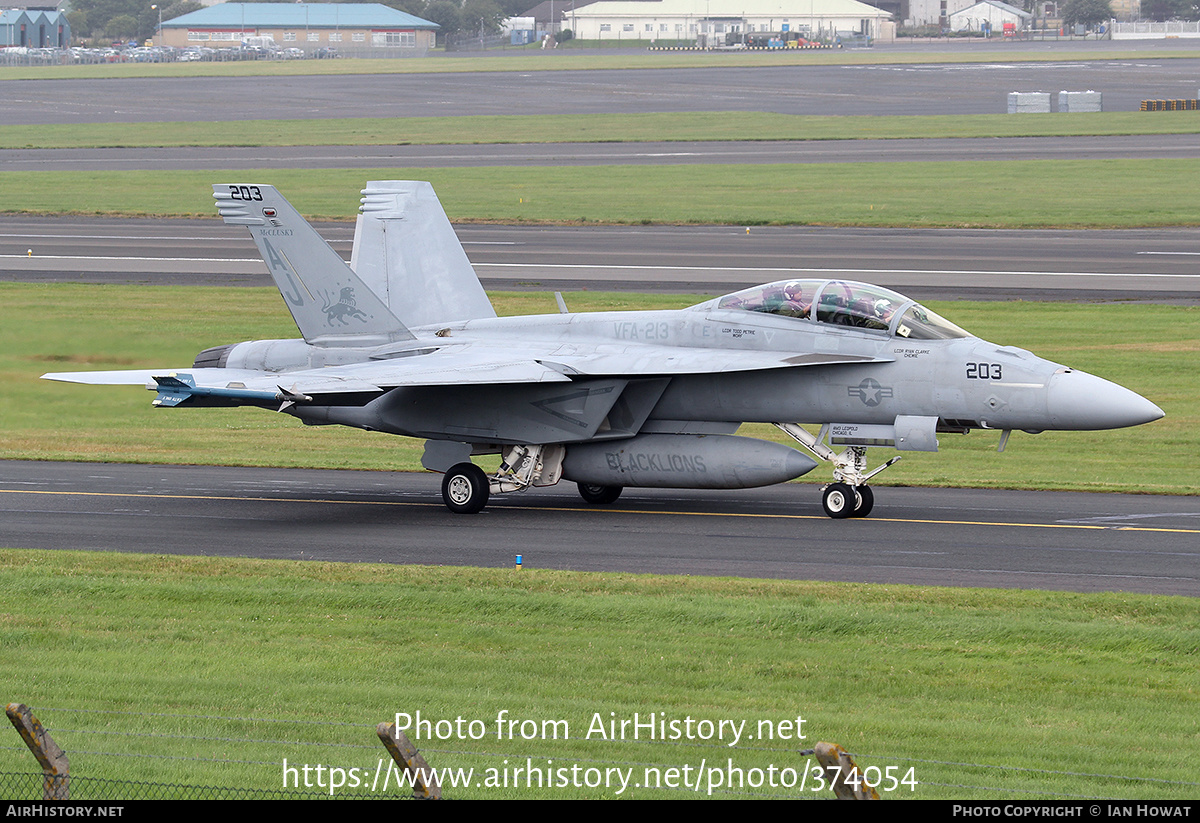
(404, 340)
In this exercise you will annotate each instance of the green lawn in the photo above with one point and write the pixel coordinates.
(574, 128)
(1012, 194)
(561, 60)
(197, 671)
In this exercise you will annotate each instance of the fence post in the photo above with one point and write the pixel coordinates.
(424, 781)
(51, 757)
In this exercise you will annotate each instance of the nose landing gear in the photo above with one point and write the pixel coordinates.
(848, 495)
(841, 500)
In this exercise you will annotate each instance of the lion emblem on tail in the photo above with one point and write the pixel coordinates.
(344, 308)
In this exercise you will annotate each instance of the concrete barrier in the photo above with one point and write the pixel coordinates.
(1079, 101)
(1028, 102)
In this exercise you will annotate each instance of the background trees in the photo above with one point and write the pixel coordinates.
(1090, 13)
(1171, 9)
(123, 19)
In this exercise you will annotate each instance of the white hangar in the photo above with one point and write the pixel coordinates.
(690, 19)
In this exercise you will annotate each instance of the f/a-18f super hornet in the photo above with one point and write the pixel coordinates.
(404, 340)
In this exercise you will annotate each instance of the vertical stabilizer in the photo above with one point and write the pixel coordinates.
(329, 302)
(406, 251)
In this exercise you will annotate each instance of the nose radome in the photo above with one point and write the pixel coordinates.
(1081, 401)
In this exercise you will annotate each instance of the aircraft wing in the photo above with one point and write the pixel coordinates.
(316, 381)
(663, 361)
(146, 377)
(451, 366)
(373, 377)
(448, 369)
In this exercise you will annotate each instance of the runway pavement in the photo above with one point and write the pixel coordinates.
(1159, 265)
(933, 88)
(951, 537)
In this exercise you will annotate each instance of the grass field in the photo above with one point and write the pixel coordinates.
(1150, 349)
(574, 128)
(562, 60)
(201, 671)
(1012, 194)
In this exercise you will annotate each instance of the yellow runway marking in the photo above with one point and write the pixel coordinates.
(1082, 526)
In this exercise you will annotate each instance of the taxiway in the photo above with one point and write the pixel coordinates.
(944, 537)
(1155, 265)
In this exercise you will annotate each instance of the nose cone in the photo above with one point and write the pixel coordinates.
(1080, 401)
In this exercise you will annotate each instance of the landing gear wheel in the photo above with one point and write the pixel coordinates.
(839, 500)
(866, 500)
(597, 494)
(465, 488)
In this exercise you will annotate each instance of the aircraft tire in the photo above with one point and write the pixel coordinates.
(866, 501)
(839, 500)
(465, 489)
(599, 495)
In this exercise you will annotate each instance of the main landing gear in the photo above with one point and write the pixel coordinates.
(466, 488)
(848, 495)
(599, 495)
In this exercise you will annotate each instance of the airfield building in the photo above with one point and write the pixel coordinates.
(996, 15)
(955, 14)
(348, 28)
(34, 27)
(711, 20)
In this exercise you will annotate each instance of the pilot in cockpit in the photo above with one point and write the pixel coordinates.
(787, 300)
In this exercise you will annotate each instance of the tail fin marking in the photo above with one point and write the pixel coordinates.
(329, 302)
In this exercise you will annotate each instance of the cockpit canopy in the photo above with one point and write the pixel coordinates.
(842, 303)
